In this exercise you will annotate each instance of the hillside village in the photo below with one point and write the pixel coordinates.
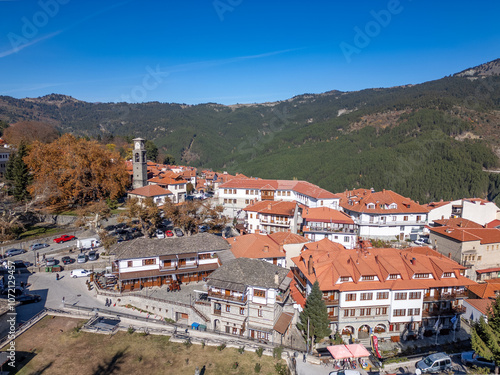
(386, 266)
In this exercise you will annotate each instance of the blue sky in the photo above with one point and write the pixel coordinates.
(235, 51)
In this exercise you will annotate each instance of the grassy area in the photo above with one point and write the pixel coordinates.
(55, 346)
(34, 232)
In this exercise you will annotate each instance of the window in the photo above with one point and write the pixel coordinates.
(129, 263)
(415, 295)
(225, 191)
(346, 238)
(344, 278)
(368, 278)
(247, 192)
(448, 274)
(383, 295)
(361, 312)
(251, 216)
(260, 313)
(346, 313)
(399, 312)
(399, 296)
(352, 312)
(487, 247)
(394, 218)
(366, 296)
(242, 311)
(234, 191)
(228, 329)
(225, 200)
(288, 193)
(405, 218)
(393, 276)
(381, 311)
(228, 308)
(235, 331)
(479, 257)
(371, 219)
(247, 201)
(418, 217)
(421, 276)
(148, 262)
(259, 293)
(368, 311)
(350, 297)
(413, 312)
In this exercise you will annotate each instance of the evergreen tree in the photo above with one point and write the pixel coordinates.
(485, 336)
(151, 150)
(18, 175)
(315, 310)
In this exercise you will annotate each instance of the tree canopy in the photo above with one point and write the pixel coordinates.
(17, 174)
(74, 171)
(316, 313)
(29, 132)
(485, 336)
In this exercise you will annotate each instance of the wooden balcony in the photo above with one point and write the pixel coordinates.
(456, 310)
(217, 312)
(445, 296)
(331, 300)
(332, 317)
(241, 299)
(301, 280)
(282, 297)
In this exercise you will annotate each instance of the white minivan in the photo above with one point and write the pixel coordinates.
(80, 273)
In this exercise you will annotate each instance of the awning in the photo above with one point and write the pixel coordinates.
(167, 257)
(358, 350)
(339, 351)
(348, 351)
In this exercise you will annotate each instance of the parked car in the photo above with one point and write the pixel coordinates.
(93, 255)
(50, 262)
(435, 363)
(209, 194)
(28, 298)
(472, 359)
(82, 258)
(67, 260)
(178, 232)
(160, 234)
(38, 246)
(169, 233)
(202, 228)
(64, 238)
(80, 273)
(13, 252)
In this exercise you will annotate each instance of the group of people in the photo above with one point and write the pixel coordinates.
(109, 302)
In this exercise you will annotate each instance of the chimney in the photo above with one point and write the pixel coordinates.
(310, 265)
(277, 278)
(269, 206)
(449, 255)
(266, 248)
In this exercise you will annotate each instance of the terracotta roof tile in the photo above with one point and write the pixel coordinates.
(150, 191)
(358, 201)
(485, 290)
(457, 222)
(286, 208)
(256, 246)
(481, 305)
(484, 235)
(326, 215)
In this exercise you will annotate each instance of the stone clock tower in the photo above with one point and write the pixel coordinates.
(139, 163)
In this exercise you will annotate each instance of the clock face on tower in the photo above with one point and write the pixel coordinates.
(137, 145)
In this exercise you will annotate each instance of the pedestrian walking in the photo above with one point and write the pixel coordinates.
(63, 301)
(304, 358)
(57, 276)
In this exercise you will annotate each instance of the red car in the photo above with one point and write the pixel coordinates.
(64, 238)
(169, 233)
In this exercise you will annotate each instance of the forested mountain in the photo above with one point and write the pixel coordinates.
(428, 141)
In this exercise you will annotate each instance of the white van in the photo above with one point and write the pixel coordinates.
(88, 243)
(80, 273)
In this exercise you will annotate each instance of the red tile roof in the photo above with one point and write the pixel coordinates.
(485, 290)
(484, 235)
(286, 238)
(150, 191)
(296, 295)
(457, 222)
(302, 187)
(481, 305)
(256, 246)
(326, 215)
(332, 261)
(285, 208)
(167, 181)
(359, 199)
(493, 224)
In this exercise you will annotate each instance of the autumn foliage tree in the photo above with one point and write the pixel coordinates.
(74, 171)
(29, 132)
(143, 215)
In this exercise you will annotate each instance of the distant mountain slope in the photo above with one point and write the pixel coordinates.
(427, 141)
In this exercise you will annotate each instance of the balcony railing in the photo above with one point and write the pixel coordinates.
(217, 312)
(329, 230)
(282, 297)
(301, 280)
(332, 317)
(387, 222)
(240, 299)
(440, 312)
(445, 296)
(331, 300)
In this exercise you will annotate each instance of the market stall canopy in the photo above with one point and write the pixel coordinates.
(358, 350)
(339, 351)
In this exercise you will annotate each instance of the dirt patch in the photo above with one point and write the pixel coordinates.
(59, 348)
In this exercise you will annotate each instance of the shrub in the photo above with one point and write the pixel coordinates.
(130, 330)
(221, 347)
(188, 343)
(257, 368)
(277, 352)
(259, 351)
(203, 344)
(241, 349)
(235, 365)
(281, 369)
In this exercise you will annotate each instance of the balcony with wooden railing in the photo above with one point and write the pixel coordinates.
(331, 300)
(300, 279)
(313, 228)
(281, 297)
(332, 317)
(445, 296)
(223, 296)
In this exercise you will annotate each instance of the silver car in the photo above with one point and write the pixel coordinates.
(82, 258)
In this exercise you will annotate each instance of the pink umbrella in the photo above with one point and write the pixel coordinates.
(339, 351)
(357, 350)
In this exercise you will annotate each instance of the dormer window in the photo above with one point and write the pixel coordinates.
(421, 276)
(370, 205)
(368, 278)
(393, 276)
(344, 278)
(448, 274)
(393, 206)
